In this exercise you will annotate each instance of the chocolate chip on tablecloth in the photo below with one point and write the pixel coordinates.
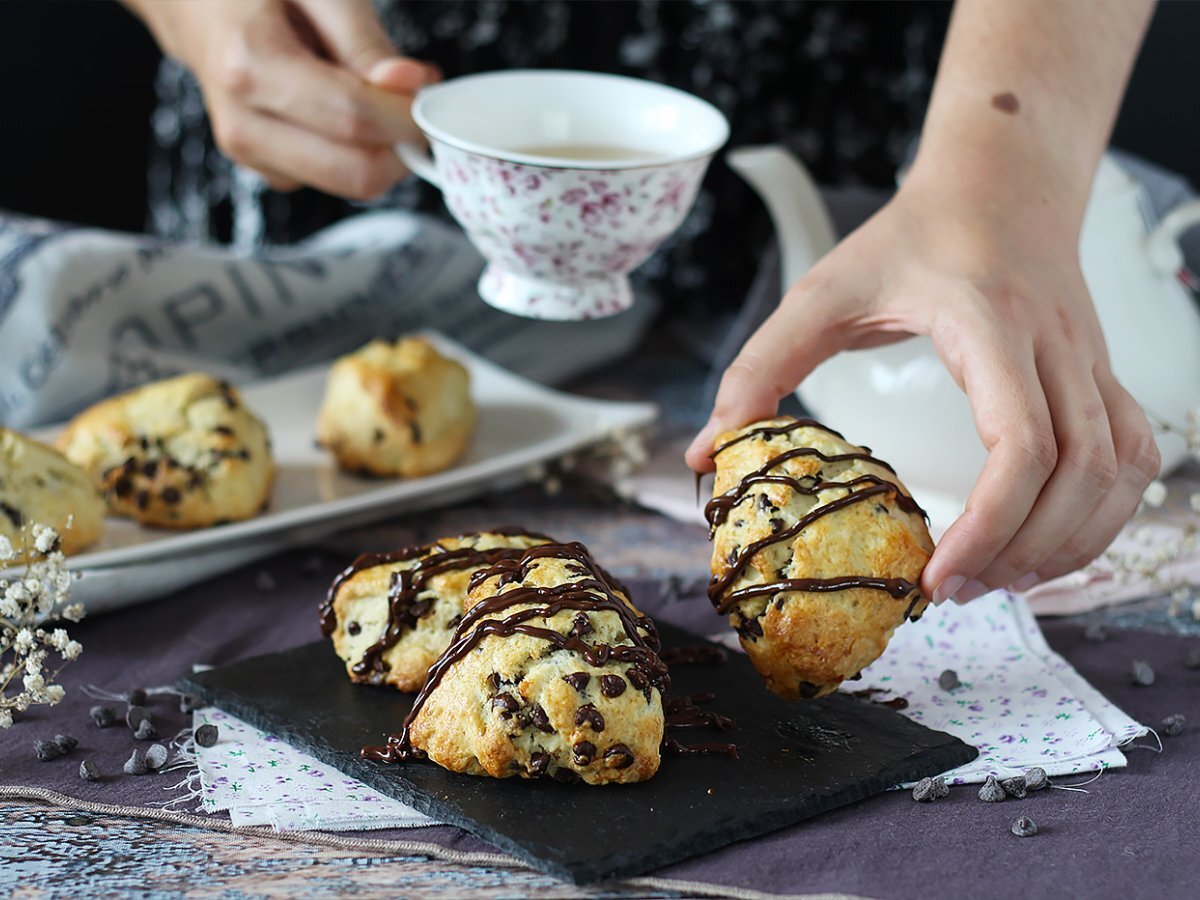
(206, 735)
(47, 750)
(991, 792)
(1173, 724)
(1035, 779)
(137, 697)
(136, 764)
(156, 756)
(103, 716)
(1141, 673)
(65, 743)
(88, 771)
(1024, 827)
(145, 731)
(1014, 787)
(135, 715)
(948, 680)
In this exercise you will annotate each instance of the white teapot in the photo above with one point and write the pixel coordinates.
(901, 401)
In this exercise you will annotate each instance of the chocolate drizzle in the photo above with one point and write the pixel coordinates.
(868, 485)
(593, 593)
(404, 607)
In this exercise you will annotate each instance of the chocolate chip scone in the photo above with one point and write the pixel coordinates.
(391, 615)
(179, 453)
(818, 551)
(396, 409)
(38, 486)
(552, 672)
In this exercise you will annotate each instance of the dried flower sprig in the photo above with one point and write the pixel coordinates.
(30, 605)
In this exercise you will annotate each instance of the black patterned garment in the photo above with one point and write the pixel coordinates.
(844, 84)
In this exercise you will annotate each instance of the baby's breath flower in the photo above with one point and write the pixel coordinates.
(30, 604)
(1155, 494)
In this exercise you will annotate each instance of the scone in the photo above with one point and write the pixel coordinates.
(397, 409)
(39, 487)
(179, 453)
(392, 614)
(818, 551)
(552, 672)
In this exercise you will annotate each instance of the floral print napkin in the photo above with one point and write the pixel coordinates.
(261, 780)
(1018, 701)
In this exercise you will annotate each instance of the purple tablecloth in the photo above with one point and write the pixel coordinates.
(1135, 834)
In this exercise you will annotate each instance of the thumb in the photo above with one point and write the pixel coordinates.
(792, 342)
(356, 38)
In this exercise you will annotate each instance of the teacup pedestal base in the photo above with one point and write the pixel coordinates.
(536, 298)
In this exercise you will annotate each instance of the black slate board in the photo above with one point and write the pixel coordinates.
(797, 760)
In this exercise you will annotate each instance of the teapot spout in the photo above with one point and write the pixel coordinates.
(802, 224)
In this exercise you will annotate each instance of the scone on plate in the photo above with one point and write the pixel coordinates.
(38, 486)
(818, 551)
(396, 409)
(392, 614)
(552, 672)
(179, 453)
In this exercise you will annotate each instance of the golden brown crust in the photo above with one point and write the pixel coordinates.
(179, 453)
(516, 705)
(362, 610)
(397, 409)
(38, 486)
(811, 641)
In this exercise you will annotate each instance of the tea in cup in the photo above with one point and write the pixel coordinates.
(565, 181)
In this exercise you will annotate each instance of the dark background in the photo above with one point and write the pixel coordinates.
(77, 79)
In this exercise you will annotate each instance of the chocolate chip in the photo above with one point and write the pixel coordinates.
(924, 791)
(1014, 787)
(582, 626)
(416, 431)
(142, 499)
(764, 502)
(103, 716)
(145, 731)
(189, 703)
(88, 771)
(618, 756)
(538, 763)
(732, 556)
(638, 679)
(940, 788)
(948, 680)
(991, 792)
(206, 735)
(494, 681)
(776, 527)
(65, 742)
(136, 764)
(136, 697)
(144, 442)
(378, 436)
(584, 752)
(122, 487)
(1141, 674)
(135, 715)
(47, 750)
(750, 628)
(807, 690)
(150, 468)
(353, 629)
(13, 514)
(156, 756)
(170, 496)
(612, 685)
(1035, 779)
(223, 429)
(589, 715)
(1024, 827)
(1173, 724)
(578, 680)
(541, 721)
(506, 703)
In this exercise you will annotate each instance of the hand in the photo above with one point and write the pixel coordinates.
(997, 287)
(307, 92)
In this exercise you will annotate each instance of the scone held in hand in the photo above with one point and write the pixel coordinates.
(552, 672)
(40, 487)
(818, 551)
(392, 614)
(179, 453)
(396, 409)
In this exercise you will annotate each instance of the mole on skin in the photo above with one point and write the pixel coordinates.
(1006, 103)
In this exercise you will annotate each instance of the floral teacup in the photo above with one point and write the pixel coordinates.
(565, 181)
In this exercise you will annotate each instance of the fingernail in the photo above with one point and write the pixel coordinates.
(1025, 582)
(946, 589)
(969, 591)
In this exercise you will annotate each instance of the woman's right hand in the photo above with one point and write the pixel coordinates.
(305, 92)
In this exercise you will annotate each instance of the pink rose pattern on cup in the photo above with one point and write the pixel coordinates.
(560, 242)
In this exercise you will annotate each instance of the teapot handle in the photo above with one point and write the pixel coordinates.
(1163, 242)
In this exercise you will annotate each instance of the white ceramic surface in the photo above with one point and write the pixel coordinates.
(520, 424)
(901, 401)
(560, 233)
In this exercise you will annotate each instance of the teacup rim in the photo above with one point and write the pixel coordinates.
(437, 135)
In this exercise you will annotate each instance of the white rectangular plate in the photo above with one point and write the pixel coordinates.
(521, 423)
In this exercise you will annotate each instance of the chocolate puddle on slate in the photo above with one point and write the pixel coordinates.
(796, 760)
